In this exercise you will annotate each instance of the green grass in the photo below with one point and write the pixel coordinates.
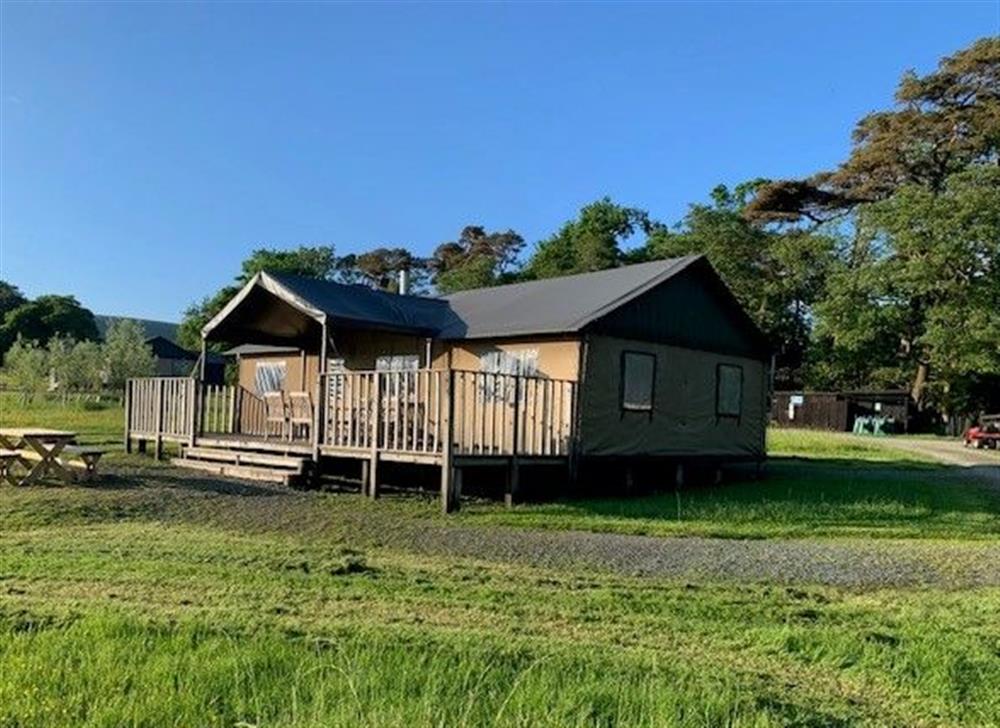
(814, 444)
(153, 602)
(818, 485)
(97, 423)
(145, 623)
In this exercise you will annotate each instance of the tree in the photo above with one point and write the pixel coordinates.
(929, 291)
(126, 353)
(26, 365)
(309, 261)
(777, 275)
(591, 242)
(10, 298)
(47, 316)
(476, 260)
(943, 123)
(76, 366)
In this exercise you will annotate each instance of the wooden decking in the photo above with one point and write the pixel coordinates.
(446, 418)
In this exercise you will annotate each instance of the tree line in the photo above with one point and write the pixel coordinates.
(52, 343)
(881, 272)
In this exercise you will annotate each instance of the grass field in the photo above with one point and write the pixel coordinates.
(181, 605)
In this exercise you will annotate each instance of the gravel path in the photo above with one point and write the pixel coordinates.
(250, 507)
(950, 452)
(866, 563)
(862, 563)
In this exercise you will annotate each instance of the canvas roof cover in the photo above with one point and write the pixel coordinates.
(549, 306)
(554, 305)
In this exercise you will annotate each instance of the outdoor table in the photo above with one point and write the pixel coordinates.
(47, 444)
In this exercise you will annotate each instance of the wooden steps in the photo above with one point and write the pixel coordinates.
(245, 464)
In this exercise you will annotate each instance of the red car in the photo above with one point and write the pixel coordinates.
(980, 436)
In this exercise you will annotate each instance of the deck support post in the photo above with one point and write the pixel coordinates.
(366, 476)
(679, 475)
(513, 482)
(451, 477)
(717, 475)
(128, 416)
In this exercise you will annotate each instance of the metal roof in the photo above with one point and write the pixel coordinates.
(549, 306)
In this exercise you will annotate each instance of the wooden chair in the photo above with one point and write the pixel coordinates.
(275, 413)
(300, 415)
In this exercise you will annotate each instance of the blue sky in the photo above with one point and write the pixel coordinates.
(147, 148)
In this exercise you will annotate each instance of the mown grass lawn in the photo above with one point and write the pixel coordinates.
(818, 485)
(180, 606)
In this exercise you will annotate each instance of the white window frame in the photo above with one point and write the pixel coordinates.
(266, 383)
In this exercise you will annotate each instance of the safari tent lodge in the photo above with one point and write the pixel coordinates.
(651, 362)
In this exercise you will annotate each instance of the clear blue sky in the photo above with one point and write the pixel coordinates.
(146, 149)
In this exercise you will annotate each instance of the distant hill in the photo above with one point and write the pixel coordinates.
(153, 328)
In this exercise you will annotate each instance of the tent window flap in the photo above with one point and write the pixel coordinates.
(729, 390)
(638, 374)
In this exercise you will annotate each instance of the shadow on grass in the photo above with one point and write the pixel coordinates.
(797, 497)
(185, 482)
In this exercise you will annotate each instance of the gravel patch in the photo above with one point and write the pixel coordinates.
(855, 564)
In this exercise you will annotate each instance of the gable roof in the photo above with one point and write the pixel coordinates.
(554, 305)
(348, 305)
(550, 306)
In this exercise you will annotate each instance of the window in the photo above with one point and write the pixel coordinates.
(638, 374)
(335, 383)
(270, 376)
(397, 363)
(519, 361)
(728, 390)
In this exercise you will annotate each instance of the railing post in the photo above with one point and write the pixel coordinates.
(128, 415)
(158, 447)
(319, 408)
(449, 499)
(514, 473)
(192, 398)
(375, 425)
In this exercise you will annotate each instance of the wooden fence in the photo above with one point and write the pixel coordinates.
(177, 409)
(160, 409)
(409, 412)
(231, 410)
(418, 412)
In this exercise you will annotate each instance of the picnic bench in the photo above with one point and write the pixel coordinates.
(43, 452)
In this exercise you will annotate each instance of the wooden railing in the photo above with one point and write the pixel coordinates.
(417, 412)
(231, 410)
(160, 409)
(400, 411)
(408, 411)
(507, 414)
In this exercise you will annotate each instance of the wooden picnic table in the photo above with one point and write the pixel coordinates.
(45, 443)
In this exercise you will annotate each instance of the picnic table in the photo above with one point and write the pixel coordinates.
(46, 444)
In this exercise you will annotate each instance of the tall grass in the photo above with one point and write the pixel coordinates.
(114, 671)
